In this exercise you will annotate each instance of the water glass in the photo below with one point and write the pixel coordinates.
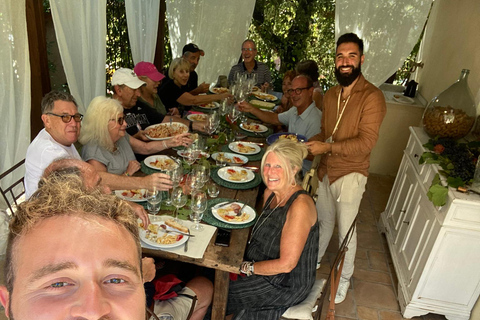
(179, 199)
(212, 189)
(154, 198)
(198, 206)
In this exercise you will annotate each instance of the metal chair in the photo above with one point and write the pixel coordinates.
(310, 180)
(12, 193)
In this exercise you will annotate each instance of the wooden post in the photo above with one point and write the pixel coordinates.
(159, 59)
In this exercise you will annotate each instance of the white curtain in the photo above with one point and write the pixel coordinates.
(217, 27)
(15, 86)
(142, 21)
(389, 29)
(80, 28)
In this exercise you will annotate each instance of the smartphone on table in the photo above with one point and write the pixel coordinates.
(223, 237)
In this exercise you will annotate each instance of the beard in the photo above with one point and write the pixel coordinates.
(347, 79)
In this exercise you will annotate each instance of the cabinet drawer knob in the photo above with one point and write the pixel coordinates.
(407, 222)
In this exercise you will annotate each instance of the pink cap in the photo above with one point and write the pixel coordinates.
(148, 69)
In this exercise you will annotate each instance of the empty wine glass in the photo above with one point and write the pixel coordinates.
(194, 180)
(198, 206)
(179, 199)
(224, 107)
(212, 189)
(210, 125)
(154, 198)
(191, 153)
(202, 173)
(234, 113)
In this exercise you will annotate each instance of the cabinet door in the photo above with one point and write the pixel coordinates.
(415, 239)
(402, 194)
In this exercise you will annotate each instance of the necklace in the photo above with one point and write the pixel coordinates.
(255, 229)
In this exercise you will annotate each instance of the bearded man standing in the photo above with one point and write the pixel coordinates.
(352, 115)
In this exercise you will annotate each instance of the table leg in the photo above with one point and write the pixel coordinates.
(220, 295)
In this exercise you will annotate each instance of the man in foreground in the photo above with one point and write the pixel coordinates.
(352, 115)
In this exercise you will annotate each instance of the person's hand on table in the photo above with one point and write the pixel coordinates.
(181, 140)
(141, 213)
(318, 147)
(244, 106)
(173, 112)
(133, 166)
(203, 87)
(160, 181)
(148, 269)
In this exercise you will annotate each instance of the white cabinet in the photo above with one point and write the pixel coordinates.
(435, 250)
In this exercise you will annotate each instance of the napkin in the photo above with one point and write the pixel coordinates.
(196, 245)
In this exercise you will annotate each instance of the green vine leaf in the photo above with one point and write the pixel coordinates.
(455, 182)
(438, 194)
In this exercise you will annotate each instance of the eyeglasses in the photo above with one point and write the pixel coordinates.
(297, 91)
(248, 49)
(67, 117)
(120, 120)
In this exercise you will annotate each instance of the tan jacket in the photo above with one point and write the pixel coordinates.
(357, 132)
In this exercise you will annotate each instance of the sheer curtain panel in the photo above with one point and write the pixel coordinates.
(389, 29)
(15, 82)
(142, 21)
(217, 27)
(80, 28)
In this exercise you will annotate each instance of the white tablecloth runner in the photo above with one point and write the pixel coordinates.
(196, 245)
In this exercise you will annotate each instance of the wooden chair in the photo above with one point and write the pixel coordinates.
(12, 193)
(312, 309)
(310, 180)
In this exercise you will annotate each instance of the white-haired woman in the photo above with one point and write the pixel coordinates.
(108, 148)
(173, 94)
(282, 251)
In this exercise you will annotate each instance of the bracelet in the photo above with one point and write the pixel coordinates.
(164, 144)
(247, 268)
(190, 126)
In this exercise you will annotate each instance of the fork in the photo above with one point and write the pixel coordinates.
(241, 209)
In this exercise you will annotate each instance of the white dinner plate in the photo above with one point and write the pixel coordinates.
(258, 127)
(209, 106)
(139, 197)
(175, 128)
(202, 154)
(217, 90)
(197, 117)
(229, 157)
(225, 173)
(160, 162)
(161, 232)
(264, 96)
(402, 99)
(248, 210)
(235, 147)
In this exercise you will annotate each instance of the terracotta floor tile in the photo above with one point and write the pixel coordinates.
(361, 254)
(378, 260)
(369, 240)
(375, 295)
(390, 315)
(372, 276)
(347, 308)
(365, 313)
(361, 264)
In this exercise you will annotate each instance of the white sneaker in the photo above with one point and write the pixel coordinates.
(318, 265)
(342, 290)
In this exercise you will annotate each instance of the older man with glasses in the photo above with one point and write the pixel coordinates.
(250, 66)
(62, 127)
(303, 118)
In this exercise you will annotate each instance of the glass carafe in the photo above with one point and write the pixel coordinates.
(452, 113)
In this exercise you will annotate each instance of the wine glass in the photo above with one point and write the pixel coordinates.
(240, 94)
(212, 189)
(234, 113)
(211, 124)
(202, 174)
(179, 199)
(224, 107)
(191, 153)
(198, 206)
(194, 180)
(154, 198)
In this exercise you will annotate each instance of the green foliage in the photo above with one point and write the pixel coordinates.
(437, 193)
(294, 30)
(118, 44)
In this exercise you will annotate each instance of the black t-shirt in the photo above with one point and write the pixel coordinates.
(169, 93)
(192, 82)
(142, 114)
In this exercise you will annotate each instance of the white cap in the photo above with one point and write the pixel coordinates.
(127, 77)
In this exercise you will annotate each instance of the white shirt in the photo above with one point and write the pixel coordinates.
(40, 153)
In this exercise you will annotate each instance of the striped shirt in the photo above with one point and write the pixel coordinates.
(260, 68)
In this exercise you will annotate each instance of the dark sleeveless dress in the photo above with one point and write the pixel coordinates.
(267, 297)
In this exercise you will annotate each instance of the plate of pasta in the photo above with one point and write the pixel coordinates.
(197, 117)
(244, 147)
(160, 162)
(209, 106)
(134, 195)
(253, 127)
(236, 174)
(164, 131)
(286, 135)
(230, 213)
(158, 237)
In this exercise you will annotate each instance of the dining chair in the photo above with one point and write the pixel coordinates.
(311, 307)
(310, 180)
(13, 193)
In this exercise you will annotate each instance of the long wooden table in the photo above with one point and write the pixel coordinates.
(223, 259)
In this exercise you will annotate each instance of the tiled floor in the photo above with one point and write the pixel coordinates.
(372, 293)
